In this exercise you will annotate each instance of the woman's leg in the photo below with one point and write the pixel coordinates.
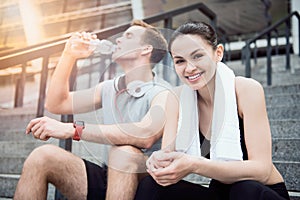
(248, 190)
(253, 190)
(148, 189)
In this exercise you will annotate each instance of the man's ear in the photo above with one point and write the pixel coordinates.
(147, 49)
(220, 52)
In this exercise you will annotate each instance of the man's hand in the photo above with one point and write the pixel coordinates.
(43, 128)
(78, 46)
(168, 168)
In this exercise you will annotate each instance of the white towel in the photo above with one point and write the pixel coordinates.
(225, 138)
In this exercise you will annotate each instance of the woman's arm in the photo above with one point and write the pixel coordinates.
(172, 112)
(157, 159)
(252, 108)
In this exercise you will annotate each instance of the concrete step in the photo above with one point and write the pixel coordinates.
(14, 134)
(13, 118)
(291, 174)
(285, 128)
(8, 185)
(12, 164)
(282, 89)
(21, 148)
(286, 150)
(283, 100)
(284, 112)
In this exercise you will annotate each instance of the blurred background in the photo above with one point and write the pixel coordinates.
(261, 40)
(27, 22)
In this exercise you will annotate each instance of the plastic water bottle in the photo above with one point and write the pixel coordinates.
(105, 47)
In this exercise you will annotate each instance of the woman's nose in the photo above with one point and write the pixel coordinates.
(190, 67)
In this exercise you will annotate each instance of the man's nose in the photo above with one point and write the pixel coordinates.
(118, 40)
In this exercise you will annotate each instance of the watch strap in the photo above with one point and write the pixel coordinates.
(78, 130)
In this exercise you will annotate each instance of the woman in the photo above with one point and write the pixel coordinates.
(239, 169)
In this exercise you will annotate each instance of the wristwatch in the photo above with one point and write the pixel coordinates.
(79, 126)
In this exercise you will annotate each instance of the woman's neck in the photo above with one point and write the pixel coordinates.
(207, 93)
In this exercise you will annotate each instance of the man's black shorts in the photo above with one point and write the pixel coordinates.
(97, 180)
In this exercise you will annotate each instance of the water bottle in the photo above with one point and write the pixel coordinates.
(105, 47)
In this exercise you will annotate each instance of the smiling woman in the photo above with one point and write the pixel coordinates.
(218, 130)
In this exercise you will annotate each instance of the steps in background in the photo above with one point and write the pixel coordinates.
(282, 102)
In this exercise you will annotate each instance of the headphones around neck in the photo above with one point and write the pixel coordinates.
(135, 89)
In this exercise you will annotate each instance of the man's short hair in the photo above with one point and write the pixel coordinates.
(155, 38)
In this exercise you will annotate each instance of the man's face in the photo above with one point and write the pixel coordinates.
(129, 44)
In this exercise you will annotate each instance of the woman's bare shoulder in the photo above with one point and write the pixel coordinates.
(243, 84)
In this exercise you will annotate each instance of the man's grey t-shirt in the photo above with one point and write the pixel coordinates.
(128, 105)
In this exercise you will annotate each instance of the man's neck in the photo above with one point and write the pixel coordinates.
(141, 73)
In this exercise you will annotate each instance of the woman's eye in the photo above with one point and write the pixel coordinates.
(197, 56)
(178, 62)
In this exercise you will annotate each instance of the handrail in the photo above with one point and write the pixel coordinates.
(267, 32)
(20, 57)
(44, 51)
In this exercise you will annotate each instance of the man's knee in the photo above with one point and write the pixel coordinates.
(127, 159)
(40, 157)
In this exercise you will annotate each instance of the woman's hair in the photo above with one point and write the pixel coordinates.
(154, 37)
(205, 31)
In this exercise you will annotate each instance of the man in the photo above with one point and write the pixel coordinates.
(133, 113)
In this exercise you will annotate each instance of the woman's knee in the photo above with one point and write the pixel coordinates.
(147, 188)
(247, 189)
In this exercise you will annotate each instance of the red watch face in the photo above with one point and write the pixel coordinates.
(79, 123)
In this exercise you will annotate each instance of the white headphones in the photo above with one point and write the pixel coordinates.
(136, 88)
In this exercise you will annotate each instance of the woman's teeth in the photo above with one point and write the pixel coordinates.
(194, 76)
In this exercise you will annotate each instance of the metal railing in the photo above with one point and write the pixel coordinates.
(246, 51)
(44, 51)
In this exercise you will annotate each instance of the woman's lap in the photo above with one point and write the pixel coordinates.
(148, 189)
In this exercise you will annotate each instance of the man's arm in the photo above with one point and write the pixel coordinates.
(59, 99)
(141, 134)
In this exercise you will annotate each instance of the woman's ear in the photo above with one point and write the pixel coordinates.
(147, 49)
(220, 52)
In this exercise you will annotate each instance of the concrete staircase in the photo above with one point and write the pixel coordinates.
(284, 115)
(283, 106)
(15, 146)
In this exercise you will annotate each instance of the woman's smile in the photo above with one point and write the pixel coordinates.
(194, 77)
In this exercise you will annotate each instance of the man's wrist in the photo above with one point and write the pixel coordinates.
(78, 126)
(68, 55)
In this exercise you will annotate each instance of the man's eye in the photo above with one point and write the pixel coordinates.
(128, 35)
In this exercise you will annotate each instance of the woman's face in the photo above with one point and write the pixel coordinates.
(195, 60)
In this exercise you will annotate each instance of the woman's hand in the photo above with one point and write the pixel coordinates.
(168, 168)
(158, 160)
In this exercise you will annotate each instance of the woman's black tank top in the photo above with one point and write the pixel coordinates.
(205, 144)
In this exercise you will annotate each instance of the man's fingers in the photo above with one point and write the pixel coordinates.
(31, 124)
(37, 133)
